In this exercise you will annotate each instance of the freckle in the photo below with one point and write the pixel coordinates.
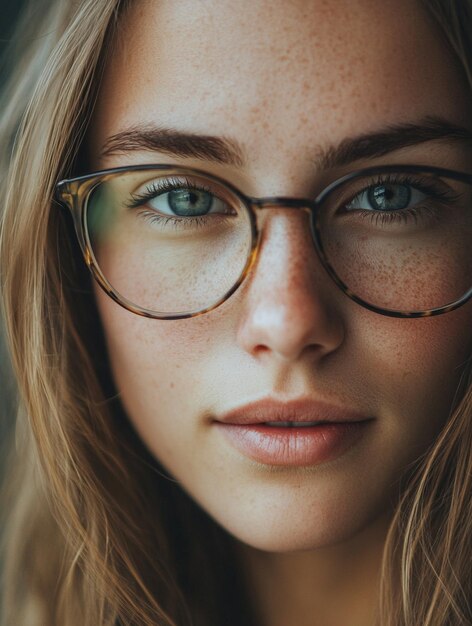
(171, 385)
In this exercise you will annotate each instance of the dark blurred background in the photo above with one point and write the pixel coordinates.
(9, 10)
(9, 13)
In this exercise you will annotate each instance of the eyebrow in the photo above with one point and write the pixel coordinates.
(224, 150)
(171, 141)
(392, 138)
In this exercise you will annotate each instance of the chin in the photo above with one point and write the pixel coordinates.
(292, 532)
(288, 541)
(284, 513)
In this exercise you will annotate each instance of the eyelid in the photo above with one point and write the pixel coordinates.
(166, 184)
(426, 184)
(161, 187)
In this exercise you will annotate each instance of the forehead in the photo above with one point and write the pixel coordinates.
(274, 73)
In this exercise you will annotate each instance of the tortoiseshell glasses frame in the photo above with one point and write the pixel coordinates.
(74, 194)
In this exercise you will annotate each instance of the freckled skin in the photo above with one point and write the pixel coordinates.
(283, 78)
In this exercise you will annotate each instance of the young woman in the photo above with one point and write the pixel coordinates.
(236, 280)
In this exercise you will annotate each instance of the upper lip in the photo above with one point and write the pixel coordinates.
(297, 410)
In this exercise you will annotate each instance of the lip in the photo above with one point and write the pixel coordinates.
(245, 429)
(297, 410)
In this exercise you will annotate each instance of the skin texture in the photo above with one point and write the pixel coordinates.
(285, 79)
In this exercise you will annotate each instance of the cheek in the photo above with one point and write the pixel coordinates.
(401, 274)
(157, 270)
(414, 365)
(157, 366)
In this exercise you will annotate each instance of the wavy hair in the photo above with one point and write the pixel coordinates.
(90, 537)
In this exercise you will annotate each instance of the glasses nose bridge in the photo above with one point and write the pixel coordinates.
(284, 202)
(308, 207)
(305, 205)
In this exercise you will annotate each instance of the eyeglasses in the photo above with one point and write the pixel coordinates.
(172, 242)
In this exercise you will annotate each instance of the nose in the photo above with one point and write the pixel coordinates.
(288, 305)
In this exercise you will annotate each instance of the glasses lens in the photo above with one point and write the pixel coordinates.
(168, 241)
(400, 241)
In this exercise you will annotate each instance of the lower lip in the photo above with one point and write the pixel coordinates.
(308, 445)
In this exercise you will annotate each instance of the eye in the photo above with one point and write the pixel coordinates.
(387, 197)
(186, 202)
(178, 198)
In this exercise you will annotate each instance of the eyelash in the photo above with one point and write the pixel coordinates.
(161, 187)
(157, 188)
(429, 187)
(432, 189)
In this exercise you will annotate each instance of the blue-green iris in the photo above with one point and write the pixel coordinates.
(389, 197)
(190, 202)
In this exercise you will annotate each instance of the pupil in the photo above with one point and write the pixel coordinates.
(188, 202)
(389, 197)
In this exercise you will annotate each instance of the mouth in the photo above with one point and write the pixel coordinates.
(295, 424)
(299, 412)
(295, 433)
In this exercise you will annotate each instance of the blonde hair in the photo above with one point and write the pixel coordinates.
(90, 537)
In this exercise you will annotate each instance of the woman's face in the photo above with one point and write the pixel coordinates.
(286, 80)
